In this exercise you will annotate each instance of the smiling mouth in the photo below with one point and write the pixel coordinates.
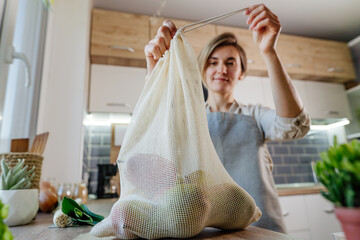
(222, 79)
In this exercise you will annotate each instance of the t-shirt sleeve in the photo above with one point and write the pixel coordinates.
(278, 128)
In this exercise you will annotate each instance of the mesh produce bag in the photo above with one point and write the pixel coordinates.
(172, 181)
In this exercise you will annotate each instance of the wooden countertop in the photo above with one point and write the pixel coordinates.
(41, 228)
(299, 189)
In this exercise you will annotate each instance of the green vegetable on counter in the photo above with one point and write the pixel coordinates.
(80, 214)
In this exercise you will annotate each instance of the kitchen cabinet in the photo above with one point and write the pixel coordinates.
(250, 90)
(316, 59)
(115, 89)
(295, 217)
(321, 100)
(303, 58)
(327, 100)
(299, 85)
(353, 129)
(197, 38)
(118, 38)
(332, 60)
(309, 217)
(321, 217)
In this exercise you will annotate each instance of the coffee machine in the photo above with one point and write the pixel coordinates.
(107, 184)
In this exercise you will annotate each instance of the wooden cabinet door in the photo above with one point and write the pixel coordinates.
(118, 38)
(296, 56)
(332, 60)
(197, 37)
(115, 89)
(327, 100)
(322, 220)
(255, 63)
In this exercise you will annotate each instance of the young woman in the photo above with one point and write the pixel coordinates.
(239, 132)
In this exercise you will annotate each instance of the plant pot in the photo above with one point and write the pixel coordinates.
(23, 205)
(350, 221)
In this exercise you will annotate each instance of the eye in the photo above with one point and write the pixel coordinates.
(231, 63)
(212, 63)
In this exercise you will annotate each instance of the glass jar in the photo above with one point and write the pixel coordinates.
(81, 192)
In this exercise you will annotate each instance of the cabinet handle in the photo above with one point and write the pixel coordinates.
(250, 61)
(130, 49)
(285, 213)
(293, 65)
(329, 210)
(118, 105)
(335, 69)
(332, 112)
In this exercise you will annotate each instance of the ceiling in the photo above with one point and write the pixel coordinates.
(327, 19)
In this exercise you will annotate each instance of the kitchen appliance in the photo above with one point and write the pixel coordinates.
(107, 181)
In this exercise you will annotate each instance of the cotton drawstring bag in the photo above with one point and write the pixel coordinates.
(172, 181)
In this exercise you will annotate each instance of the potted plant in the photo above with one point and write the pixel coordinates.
(15, 191)
(339, 172)
(5, 233)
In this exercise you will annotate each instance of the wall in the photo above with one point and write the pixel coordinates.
(63, 94)
(292, 160)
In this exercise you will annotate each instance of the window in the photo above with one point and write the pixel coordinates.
(24, 26)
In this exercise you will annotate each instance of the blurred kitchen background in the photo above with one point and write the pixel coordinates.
(75, 69)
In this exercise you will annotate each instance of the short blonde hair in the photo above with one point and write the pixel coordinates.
(225, 39)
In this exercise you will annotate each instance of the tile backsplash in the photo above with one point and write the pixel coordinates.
(292, 159)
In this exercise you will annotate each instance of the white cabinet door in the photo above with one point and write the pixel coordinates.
(115, 89)
(268, 99)
(322, 219)
(293, 209)
(302, 235)
(327, 100)
(249, 91)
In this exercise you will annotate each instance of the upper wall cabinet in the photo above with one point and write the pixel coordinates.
(332, 60)
(115, 89)
(315, 59)
(328, 100)
(119, 38)
(197, 38)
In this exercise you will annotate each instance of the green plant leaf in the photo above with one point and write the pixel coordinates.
(339, 172)
(97, 218)
(79, 213)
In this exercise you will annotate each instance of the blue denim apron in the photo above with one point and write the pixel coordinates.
(241, 148)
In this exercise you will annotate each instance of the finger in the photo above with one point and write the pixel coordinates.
(171, 26)
(152, 52)
(256, 10)
(269, 23)
(261, 17)
(164, 32)
(160, 42)
(251, 9)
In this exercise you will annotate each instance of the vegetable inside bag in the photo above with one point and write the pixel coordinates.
(172, 181)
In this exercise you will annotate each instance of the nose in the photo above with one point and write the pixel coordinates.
(222, 69)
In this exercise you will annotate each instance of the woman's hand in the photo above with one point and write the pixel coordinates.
(266, 27)
(157, 46)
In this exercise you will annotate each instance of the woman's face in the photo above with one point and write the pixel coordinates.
(223, 70)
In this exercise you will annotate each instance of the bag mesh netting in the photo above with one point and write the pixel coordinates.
(172, 181)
